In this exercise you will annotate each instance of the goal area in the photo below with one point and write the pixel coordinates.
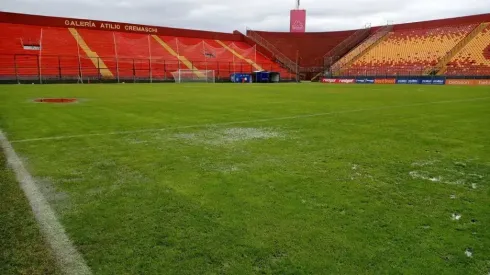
(182, 76)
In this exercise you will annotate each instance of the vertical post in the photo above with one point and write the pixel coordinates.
(233, 56)
(117, 58)
(178, 54)
(134, 73)
(217, 63)
(40, 57)
(297, 65)
(80, 73)
(149, 65)
(98, 68)
(192, 70)
(15, 66)
(39, 69)
(164, 70)
(59, 67)
(205, 58)
(149, 51)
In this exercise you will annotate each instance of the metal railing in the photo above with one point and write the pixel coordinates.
(345, 46)
(282, 58)
(23, 67)
(356, 52)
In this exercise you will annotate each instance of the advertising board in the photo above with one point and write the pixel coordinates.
(422, 80)
(468, 82)
(365, 81)
(339, 80)
(385, 81)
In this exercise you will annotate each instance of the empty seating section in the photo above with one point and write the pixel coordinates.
(56, 47)
(130, 54)
(60, 48)
(232, 63)
(12, 37)
(474, 58)
(29, 51)
(208, 54)
(351, 55)
(133, 53)
(103, 44)
(308, 47)
(409, 52)
(68, 52)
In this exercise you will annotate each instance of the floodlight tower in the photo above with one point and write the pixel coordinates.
(297, 22)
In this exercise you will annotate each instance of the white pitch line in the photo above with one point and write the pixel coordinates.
(245, 121)
(68, 258)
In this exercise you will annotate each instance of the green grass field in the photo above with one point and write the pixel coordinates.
(22, 249)
(262, 179)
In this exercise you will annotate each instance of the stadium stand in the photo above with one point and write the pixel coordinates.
(362, 48)
(310, 48)
(474, 58)
(64, 48)
(22, 54)
(81, 49)
(420, 48)
(408, 52)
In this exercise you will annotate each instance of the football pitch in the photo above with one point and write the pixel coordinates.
(262, 179)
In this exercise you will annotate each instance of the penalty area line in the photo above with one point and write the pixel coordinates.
(69, 260)
(247, 121)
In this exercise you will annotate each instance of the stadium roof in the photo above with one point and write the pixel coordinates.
(272, 15)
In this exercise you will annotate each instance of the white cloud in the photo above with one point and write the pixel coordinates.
(271, 15)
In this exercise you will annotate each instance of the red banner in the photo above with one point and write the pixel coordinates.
(297, 21)
(385, 81)
(338, 80)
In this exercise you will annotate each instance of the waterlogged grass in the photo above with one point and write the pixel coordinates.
(263, 179)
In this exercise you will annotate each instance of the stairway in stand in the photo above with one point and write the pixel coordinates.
(442, 65)
(183, 59)
(93, 56)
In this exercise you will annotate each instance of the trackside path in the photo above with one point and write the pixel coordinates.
(69, 259)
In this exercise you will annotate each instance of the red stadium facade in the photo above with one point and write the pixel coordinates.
(41, 47)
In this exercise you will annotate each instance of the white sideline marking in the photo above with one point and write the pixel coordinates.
(246, 121)
(68, 258)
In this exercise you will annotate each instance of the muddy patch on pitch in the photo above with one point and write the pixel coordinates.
(463, 173)
(59, 100)
(221, 137)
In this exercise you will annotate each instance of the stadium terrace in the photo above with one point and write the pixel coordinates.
(90, 50)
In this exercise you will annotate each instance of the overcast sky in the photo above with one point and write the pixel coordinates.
(271, 15)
